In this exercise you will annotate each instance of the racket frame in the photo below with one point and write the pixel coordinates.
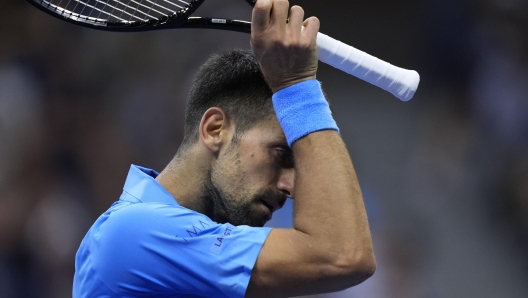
(402, 83)
(180, 19)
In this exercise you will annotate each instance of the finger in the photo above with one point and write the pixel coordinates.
(311, 27)
(296, 19)
(261, 15)
(279, 13)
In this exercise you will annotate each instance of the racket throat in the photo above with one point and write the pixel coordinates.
(215, 23)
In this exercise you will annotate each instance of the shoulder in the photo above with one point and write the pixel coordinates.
(140, 219)
(142, 244)
(129, 227)
(163, 248)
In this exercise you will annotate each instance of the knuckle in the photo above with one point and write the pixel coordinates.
(283, 2)
(262, 5)
(277, 41)
(260, 8)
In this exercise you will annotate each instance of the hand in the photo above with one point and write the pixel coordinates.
(287, 52)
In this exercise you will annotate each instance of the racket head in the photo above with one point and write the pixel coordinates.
(120, 15)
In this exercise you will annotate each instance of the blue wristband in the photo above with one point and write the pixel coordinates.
(302, 109)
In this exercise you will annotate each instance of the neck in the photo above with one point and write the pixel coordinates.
(183, 179)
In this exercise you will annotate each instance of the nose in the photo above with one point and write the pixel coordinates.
(286, 181)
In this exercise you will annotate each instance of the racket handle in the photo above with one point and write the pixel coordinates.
(401, 82)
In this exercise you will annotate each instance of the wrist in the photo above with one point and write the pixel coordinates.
(302, 109)
(276, 87)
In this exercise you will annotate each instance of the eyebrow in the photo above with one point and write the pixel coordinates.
(280, 138)
(280, 143)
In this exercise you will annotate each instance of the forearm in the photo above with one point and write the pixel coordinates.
(330, 247)
(329, 206)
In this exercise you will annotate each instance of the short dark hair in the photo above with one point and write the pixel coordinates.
(233, 82)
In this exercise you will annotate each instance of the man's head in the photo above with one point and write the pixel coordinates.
(233, 82)
(230, 122)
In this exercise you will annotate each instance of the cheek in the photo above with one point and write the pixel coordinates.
(260, 168)
(236, 175)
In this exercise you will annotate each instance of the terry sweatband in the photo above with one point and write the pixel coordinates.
(302, 109)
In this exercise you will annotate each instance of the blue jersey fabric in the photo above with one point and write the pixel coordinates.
(147, 245)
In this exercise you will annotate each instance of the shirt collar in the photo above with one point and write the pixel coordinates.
(141, 184)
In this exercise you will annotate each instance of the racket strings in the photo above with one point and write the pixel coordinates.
(123, 11)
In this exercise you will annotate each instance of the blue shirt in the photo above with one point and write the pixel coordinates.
(147, 245)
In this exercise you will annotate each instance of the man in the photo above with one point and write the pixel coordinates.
(195, 230)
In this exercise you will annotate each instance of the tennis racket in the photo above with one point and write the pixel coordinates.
(145, 15)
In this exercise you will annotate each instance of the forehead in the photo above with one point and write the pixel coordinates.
(266, 132)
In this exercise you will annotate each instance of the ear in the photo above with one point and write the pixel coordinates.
(215, 129)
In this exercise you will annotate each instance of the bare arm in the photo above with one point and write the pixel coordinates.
(330, 246)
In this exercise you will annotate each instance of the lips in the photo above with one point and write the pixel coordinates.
(271, 206)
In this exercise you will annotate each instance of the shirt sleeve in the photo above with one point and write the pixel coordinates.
(166, 250)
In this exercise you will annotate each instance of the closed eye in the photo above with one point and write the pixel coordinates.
(285, 157)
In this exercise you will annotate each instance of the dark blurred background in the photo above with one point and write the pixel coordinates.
(445, 176)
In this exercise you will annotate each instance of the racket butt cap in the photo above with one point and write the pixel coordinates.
(406, 92)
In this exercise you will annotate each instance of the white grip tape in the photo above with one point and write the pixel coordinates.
(401, 82)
